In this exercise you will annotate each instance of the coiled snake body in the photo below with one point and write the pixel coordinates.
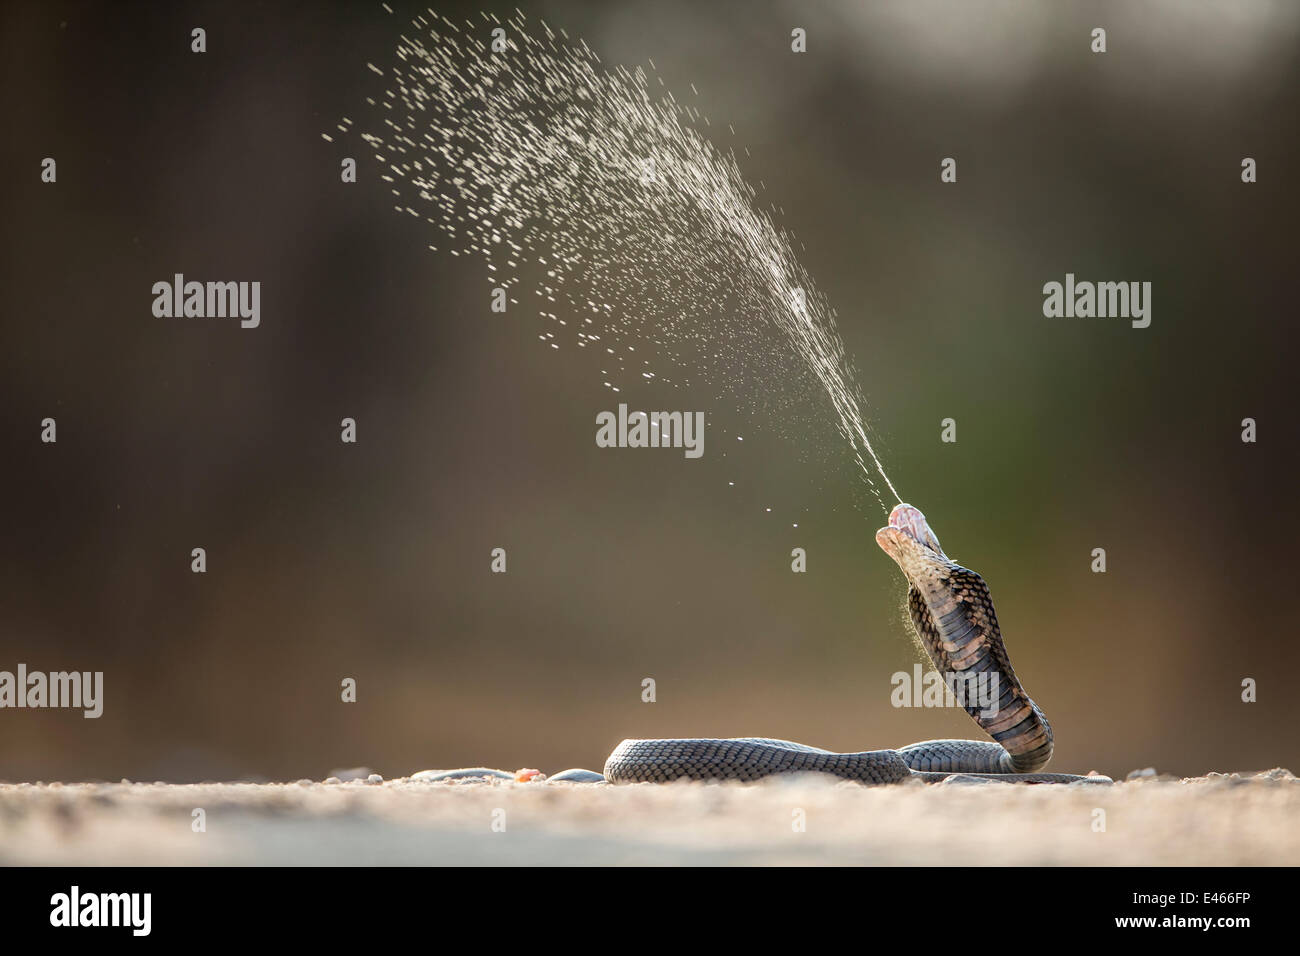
(953, 615)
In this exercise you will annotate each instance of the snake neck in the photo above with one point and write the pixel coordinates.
(954, 617)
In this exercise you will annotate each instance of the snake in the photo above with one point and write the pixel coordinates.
(953, 616)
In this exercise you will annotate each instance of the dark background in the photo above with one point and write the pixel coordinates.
(371, 560)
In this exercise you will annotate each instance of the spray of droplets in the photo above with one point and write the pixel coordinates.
(609, 204)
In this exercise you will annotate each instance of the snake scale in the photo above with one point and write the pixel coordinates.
(953, 615)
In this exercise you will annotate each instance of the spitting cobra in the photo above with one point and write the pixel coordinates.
(953, 616)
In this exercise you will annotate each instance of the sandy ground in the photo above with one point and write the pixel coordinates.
(1229, 820)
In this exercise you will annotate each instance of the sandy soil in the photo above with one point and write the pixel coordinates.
(1232, 819)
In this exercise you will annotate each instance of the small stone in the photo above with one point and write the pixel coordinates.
(332, 780)
(1277, 773)
(351, 773)
(969, 780)
(1141, 774)
(577, 775)
(465, 773)
(305, 782)
(374, 778)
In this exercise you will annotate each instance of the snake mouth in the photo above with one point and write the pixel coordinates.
(908, 535)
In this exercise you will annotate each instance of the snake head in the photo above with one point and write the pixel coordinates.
(909, 540)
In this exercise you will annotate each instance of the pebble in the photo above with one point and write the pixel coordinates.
(969, 780)
(351, 773)
(578, 775)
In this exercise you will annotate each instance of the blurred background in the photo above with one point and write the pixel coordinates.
(371, 560)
